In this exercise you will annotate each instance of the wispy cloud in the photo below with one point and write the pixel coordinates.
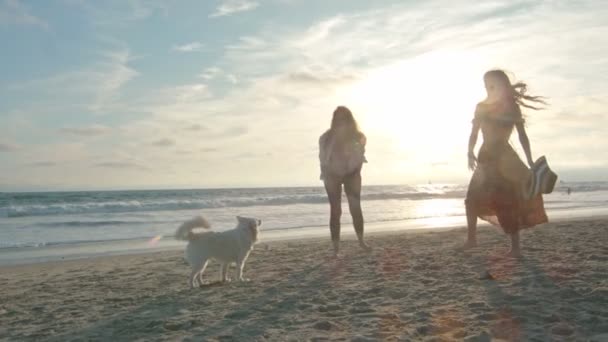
(165, 142)
(120, 13)
(141, 9)
(229, 7)
(235, 131)
(406, 69)
(42, 164)
(8, 147)
(189, 93)
(122, 165)
(15, 12)
(320, 78)
(86, 131)
(195, 127)
(98, 83)
(118, 72)
(189, 47)
(211, 73)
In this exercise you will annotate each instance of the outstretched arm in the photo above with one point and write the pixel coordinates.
(472, 142)
(525, 142)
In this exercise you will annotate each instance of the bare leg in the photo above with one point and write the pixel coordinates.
(224, 272)
(471, 226)
(333, 187)
(515, 246)
(509, 219)
(352, 187)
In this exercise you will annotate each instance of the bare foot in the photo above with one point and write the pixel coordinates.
(470, 244)
(365, 247)
(514, 253)
(336, 252)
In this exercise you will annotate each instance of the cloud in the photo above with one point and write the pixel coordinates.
(114, 14)
(8, 147)
(235, 131)
(319, 78)
(232, 79)
(165, 142)
(86, 131)
(118, 74)
(216, 73)
(410, 72)
(210, 73)
(190, 47)
(196, 127)
(121, 165)
(42, 164)
(189, 93)
(98, 84)
(141, 9)
(14, 12)
(229, 7)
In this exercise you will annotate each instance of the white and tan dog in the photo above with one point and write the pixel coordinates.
(227, 247)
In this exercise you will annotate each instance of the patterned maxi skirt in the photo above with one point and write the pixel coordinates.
(497, 190)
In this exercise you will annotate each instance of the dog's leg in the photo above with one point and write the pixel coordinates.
(192, 278)
(240, 263)
(200, 273)
(224, 272)
(197, 273)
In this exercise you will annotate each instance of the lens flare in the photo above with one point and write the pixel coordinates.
(154, 240)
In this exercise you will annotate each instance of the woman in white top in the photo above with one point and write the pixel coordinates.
(342, 154)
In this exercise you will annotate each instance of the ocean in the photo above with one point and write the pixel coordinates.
(58, 225)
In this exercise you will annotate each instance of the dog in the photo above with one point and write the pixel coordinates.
(231, 246)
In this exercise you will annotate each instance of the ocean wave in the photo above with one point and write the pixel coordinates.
(76, 224)
(14, 205)
(169, 236)
(15, 245)
(90, 207)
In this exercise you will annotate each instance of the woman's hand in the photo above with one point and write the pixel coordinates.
(472, 161)
(530, 161)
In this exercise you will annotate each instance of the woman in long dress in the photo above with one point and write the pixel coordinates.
(498, 188)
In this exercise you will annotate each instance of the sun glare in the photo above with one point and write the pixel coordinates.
(424, 104)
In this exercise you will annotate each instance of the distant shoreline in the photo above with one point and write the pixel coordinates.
(92, 249)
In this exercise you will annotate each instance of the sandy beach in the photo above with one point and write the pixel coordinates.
(413, 286)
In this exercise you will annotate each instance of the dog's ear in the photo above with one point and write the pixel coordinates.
(259, 222)
(239, 218)
(253, 229)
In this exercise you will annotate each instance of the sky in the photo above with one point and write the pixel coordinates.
(148, 94)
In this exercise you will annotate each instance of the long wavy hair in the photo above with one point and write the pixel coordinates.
(344, 121)
(519, 90)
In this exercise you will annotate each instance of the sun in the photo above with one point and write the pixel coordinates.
(424, 104)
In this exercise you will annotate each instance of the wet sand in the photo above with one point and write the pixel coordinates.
(412, 286)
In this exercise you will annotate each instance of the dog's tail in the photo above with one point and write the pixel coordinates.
(184, 232)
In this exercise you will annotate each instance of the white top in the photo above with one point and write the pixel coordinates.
(340, 159)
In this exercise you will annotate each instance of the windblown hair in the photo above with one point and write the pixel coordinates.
(519, 90)
(349, 125)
